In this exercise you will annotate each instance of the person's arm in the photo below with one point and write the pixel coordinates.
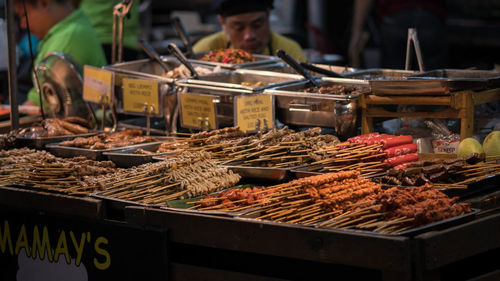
(361, 10)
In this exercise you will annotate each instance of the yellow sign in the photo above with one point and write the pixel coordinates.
(197, 111)
(253, 113)
(97, 84)
(141, 96)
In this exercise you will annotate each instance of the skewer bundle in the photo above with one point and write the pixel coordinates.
(42, 170)
(277, 148)
(342, 200)
(450, 173)
(188, 175)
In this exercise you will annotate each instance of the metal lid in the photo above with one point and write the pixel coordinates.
(61, 85)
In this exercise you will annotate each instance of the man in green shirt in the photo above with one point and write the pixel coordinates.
(246, 26)
(100, 13)
(62, 29)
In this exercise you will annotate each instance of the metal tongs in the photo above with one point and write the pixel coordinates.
(150, 51)
(295, 65)
(412, 37)
(320, 70)
(174, 50)
(120, 10)
(184, 36)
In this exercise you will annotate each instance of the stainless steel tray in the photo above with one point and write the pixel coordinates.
(440, 225)
(296, 107)
(234, 79)
(437, 82)
(261, 60)
(126, 158)
(149, 68)
(92, 154)
(276, 174)
(379, 74)
(462, 79)
(41, 142)
(116, 204)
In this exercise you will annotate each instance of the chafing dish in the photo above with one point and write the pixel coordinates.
(297, 107)
(261, 60)
(151, 70)
(244, 79)
(224, 86)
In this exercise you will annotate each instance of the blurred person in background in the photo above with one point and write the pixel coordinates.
(246, 26)
(100, 14)
(60, 28)
(393, 18)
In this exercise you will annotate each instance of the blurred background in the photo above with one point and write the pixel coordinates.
(323, 29)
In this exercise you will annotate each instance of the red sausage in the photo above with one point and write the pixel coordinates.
(401, 159)
(395, 141)
(400, 150)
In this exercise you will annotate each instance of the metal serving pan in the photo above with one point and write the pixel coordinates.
(275, 174)
(41, 142)
(116, 204)
(126, 158)
(437, 82)
(379, 74)
(296, 107)
(234, 79)
(462, 79)
(440, 225)
(92, 154)
(261, 60)
(151, 70)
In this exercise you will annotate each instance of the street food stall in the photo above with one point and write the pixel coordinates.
(258, 174)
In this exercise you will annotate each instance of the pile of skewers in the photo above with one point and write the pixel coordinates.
(42, 170)
(450, 173)
(188, 175)
(370, 154)
(343, 200)
(276, 148)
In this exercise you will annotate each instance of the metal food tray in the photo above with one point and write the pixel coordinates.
(379, 74)
(41, 142)
(234, 79)
(266, 173)
(461, 79)
(303, 172)
(115, 203)
(484, 185)
(149, 68)
(201, 212)
(92, 154)
(126, 158)
(440, 225)
(261, 60)
(296, 107)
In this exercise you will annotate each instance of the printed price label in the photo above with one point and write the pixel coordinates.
(253, 113)
(139, 95)
(97, 84)
(197, 111)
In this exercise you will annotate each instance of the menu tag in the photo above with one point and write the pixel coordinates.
(98, 85)
(254, 112)
(197, 111)
(141, 97)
